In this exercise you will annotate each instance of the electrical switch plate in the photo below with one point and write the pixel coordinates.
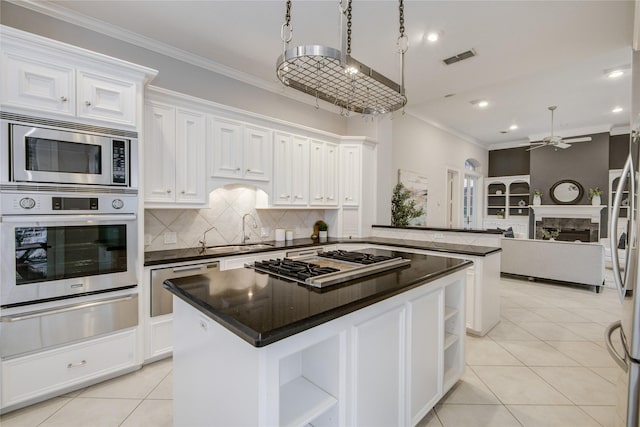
(147, 239)
(438, 235)
(170, 238)
(264, 232)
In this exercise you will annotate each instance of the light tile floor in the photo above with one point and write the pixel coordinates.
(544, 365)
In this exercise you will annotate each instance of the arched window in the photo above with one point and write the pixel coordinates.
(471, 165)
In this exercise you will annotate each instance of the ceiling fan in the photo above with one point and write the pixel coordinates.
(556, 141)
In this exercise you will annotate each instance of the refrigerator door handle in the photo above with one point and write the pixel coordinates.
(621, 284)
(620, 360)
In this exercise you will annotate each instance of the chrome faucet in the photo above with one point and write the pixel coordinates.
(244, 238)
(203, 242)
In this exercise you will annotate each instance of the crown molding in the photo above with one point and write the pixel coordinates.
(63, 14)
(442, 127)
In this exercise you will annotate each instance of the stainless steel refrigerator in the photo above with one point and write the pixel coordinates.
(626, 351)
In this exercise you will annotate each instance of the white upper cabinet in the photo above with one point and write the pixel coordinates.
(323, 174)
(351, 176)
(159, 152)
(291, 170)
(32, 83)
(240, 150)
(174, 157)
(55, 79)
(106, 98)
(257, 154)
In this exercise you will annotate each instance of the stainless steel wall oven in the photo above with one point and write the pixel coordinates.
(68, 233)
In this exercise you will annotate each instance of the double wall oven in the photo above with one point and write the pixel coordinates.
(68, 233)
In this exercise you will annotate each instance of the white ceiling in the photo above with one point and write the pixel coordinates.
(530, 54)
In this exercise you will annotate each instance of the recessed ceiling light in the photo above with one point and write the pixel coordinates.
(433, 36)
(617, 110)
(615, 74)
(482, 103)
(513, 127)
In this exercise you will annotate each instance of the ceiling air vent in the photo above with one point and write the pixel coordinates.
(459, 57)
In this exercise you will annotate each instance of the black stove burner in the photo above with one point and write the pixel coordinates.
(292, 269)
(357, 257)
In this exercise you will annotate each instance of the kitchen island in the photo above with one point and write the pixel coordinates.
(254, 349)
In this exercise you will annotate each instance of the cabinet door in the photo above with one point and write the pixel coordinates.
(351, 176)
(282, 171)
(379, 380)
(190, 157)
(257, 153)
(316, 173)
(106, 98)
(300, 171)
(426, 326)
(227, 149)
(39, 85)
(159, 153)
(331, 174)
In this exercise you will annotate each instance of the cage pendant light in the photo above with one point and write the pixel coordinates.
(334, 76)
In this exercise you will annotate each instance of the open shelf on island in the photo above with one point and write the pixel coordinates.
(449, 340)
(301, 402)
(449, 312)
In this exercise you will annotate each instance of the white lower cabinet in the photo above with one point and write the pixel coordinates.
(379, 354)
(384, 365)
(49, 372)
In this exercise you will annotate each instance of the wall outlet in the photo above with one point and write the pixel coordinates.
(438, 236)
(264, 232)
(170, 238)
(147, 239)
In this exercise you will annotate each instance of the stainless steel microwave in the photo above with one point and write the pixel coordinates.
(64, 155)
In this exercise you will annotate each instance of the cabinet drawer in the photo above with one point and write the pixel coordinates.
(31, 376)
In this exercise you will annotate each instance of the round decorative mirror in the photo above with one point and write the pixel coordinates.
(566, 192)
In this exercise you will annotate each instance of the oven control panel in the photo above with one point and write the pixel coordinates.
(58, 203)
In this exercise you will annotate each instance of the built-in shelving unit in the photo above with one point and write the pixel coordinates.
(508, 196)
(454, 330)
(309, 385)
(614, 179)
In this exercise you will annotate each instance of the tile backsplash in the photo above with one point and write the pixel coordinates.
(227, 205)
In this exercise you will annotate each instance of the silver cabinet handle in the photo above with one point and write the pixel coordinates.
(87, 103)
(168, 191)
(620, 360)
(249, 170)
(195, 268)
(237, 169)
(63, 99)
(75, 365)
(182, 192)
(297, 197)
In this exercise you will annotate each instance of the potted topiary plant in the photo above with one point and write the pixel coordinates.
(595, 196)
(500, 213)
(323, 230)
(403, 209)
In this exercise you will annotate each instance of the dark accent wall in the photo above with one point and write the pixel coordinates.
(584, 162)
(618, 151)
(510, 161)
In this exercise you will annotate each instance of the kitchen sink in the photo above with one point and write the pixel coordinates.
(236, 248)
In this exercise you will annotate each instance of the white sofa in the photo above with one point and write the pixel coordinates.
(575, 262)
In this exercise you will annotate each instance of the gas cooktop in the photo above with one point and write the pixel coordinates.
(329, 268)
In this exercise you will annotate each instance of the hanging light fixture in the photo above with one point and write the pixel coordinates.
(334, 76)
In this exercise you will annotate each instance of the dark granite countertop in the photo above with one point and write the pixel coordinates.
(262, 309)
(192, 254)
(452, 230)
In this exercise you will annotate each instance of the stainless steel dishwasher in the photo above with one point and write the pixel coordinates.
(161, 299)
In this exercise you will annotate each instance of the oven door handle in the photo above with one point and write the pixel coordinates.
(64, 309)
(67, 218)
